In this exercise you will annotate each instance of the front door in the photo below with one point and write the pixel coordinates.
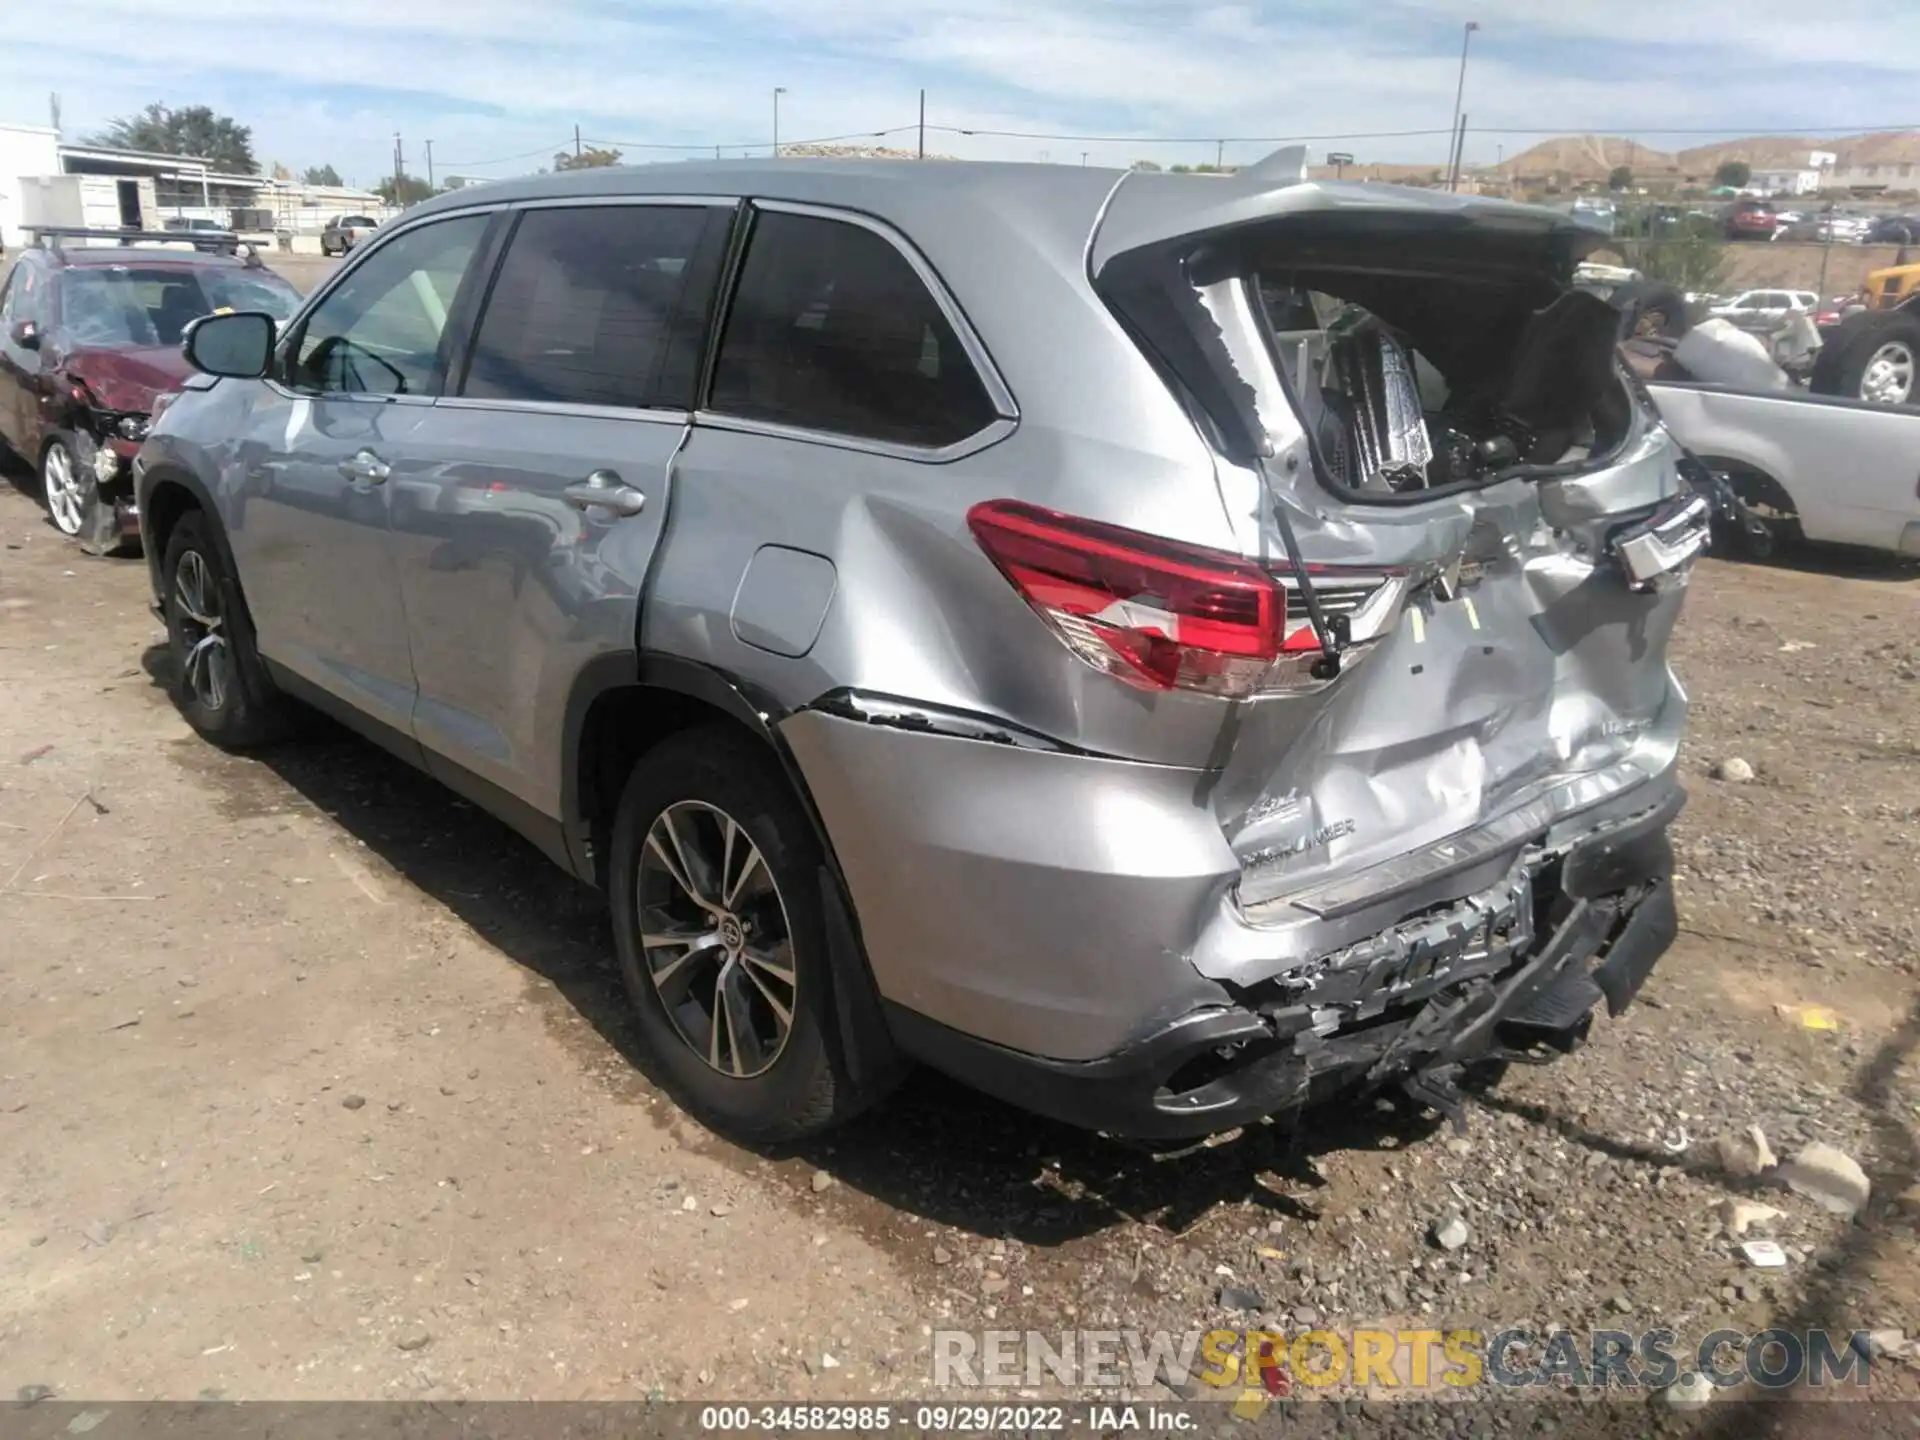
(20, 368)
(326, 446)
(525, 534)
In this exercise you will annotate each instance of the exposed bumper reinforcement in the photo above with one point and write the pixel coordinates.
(1219, 1067)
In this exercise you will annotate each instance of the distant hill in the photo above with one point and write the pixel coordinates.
(1591, 157)
(1780, 152)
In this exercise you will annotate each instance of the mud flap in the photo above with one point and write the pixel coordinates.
(873, 1060)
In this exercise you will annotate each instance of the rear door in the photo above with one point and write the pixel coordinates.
(525, 536)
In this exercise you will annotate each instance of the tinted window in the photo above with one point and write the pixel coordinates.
(378, 332)
(832, 329)
(597, 306)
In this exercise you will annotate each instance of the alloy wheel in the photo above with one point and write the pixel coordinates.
(1889, 375)
(60, 480)
(715, 939)
(208, 665)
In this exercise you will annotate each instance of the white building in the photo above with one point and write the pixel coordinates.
(24, 150)
(1786, 182)
(45, 182)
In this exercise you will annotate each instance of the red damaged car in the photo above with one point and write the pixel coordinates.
(89, 348)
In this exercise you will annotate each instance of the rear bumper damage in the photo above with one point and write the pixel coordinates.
(1510, 972)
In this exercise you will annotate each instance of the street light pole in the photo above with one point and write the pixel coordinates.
(1459, 95)
(778, 91)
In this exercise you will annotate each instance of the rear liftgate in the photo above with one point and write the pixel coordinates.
(1473, 538)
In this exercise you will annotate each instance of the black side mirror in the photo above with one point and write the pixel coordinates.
(25, 334)
(239, 346)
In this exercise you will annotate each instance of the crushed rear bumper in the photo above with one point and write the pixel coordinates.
(1503, 973)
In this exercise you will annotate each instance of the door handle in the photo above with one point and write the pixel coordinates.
(366, 466)
(605, 488)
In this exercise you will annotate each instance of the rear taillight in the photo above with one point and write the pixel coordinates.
(1163, 615)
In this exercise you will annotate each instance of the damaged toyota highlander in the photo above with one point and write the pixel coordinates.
(1166, 652)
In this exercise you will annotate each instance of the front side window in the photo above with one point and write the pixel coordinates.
(832, 329)
(599, 305)
(378, 332)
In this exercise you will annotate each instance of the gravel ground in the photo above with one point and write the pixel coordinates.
(317, 1083)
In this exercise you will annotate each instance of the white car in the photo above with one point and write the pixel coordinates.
(1812, 467)
(1764, 309)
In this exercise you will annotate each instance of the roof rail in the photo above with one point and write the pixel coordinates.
(48, 237)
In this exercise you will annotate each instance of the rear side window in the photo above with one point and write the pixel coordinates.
(601, 305)
(832, 329)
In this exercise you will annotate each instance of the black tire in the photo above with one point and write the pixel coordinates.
(244, 708)
(805, 1088)
(1648, 307)
(1859, 343)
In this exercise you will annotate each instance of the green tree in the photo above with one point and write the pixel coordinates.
(1620, 179)
(408, 190)
(1694, 259)
(194, 131)
(1733, 174)
(322, 175)
(588, 159)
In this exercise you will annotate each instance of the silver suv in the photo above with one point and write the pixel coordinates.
(1159, 649)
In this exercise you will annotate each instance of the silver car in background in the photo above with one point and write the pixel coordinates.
(1161, 650)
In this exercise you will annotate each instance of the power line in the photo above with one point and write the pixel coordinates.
(751, 144)
(1215, 140)
(451, 165)
(1797, 130)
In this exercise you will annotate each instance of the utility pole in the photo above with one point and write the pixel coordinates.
(778, 91)
(429, 164)
(576, 142)
(53, 110)
(1459, 153)
(1219, 154)
(1083, 159)
(922, 154)
(1459, 95)
(399, 200)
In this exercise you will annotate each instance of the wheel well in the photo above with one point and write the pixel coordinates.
(166, 503)
(1756, 489)
(619, 727)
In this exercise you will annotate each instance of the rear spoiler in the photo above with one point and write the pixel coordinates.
(211, 242)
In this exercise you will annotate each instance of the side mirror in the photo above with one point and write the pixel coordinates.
(25, 334)
(239, 346)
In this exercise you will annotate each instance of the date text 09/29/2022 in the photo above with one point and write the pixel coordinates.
(961, 1419)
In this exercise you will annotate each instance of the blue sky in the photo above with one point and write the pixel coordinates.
(497, 85)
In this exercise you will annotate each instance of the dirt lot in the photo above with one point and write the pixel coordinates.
(315, 1082)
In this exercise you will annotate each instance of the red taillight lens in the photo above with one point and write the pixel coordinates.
(1156, 613)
